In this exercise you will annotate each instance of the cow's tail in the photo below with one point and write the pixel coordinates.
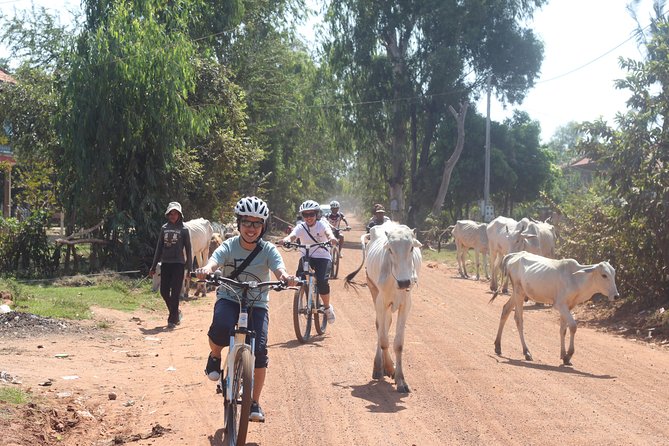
(504, 271)
(364, 239)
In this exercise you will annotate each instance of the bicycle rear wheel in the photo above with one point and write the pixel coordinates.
(320, 319)
(302, 316)
(334, 272)
(238, 407)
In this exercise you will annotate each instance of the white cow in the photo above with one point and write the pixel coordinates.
(563, 283)
(468, 235)
(539, 238)
(393, 261)
(200, 232)
(503, 238)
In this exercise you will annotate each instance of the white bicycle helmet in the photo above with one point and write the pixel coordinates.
(334, 204)
(309, 205)
(252, 207)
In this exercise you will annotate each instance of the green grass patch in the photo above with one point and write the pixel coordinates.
(14, 395)
(446, 256)
(75, 302)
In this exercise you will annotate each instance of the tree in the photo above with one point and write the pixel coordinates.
(407, 62)
(127, 119)
(635, 159)
(285, 92)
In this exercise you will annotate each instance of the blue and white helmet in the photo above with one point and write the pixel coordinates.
(310, 205)
(252, 207)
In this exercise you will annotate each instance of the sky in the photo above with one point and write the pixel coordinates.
(583, 40)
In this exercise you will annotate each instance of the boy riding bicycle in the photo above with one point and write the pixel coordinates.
(334, 218)
(251, 213)
(312, 231)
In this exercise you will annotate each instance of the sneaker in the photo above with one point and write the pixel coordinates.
(329, 313)
(171, 325)
(213, 370)
(256, 414)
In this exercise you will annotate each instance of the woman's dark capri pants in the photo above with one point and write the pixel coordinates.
(322, 269)
(226, 314)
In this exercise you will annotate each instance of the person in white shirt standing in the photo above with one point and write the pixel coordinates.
(314, 230)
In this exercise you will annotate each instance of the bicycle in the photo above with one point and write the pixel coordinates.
(236, 382)
(335, 251)
(307, 305)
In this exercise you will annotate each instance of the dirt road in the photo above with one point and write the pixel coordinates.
(321, 393)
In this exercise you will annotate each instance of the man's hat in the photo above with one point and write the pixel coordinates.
(174, 205)
(379, 208)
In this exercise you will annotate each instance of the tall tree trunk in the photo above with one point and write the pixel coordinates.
(396, 50)
(411, 212)
(449, 165)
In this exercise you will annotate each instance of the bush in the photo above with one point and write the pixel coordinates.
(599, 228)
(24, 247)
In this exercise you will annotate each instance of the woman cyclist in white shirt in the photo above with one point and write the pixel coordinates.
(314, 230)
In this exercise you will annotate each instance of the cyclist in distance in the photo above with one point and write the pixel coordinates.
(314, 230)
(334, 218)
(379, 217)
(251, 213)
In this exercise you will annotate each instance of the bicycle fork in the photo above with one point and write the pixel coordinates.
(237, 341)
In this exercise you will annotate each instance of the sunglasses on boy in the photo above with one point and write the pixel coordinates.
(308, 214)
(251, 224)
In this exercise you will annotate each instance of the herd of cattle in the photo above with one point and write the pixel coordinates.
(520, 251)
(524, 253)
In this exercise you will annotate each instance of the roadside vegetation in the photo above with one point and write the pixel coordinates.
(73, 297)
(138, 103)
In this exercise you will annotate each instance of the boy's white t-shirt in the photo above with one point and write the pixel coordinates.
(319, 231)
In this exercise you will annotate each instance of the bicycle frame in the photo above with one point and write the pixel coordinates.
(237, 380)
(238, 340)
(307, 310)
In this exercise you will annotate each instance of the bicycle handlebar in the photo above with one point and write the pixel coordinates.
(218, 278)
(298, 245)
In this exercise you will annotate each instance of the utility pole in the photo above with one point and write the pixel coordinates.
(486, 182)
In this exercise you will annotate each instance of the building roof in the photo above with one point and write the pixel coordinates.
(584, 164)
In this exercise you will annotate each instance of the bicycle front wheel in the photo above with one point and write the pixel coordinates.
(302, 309)
(334, 272)
(320, 319)
(238, 407)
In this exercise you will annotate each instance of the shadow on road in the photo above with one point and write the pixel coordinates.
(382, 396)
(155, 330)
(217, 438)
(294, 343)
(549, 368)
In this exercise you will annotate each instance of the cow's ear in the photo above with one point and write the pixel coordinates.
(585, 270)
